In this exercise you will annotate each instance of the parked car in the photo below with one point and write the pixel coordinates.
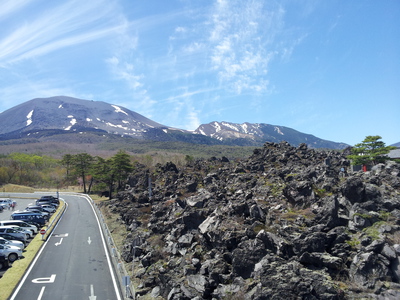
(13, 232)
(38, 208)
(48, 207)
(12, 253)
(4, 203)
(12, 238)
(7, 203)
(21, 224)
(3, 261)
(28, 233)
(50, 199)
(15, 243)
(45, 215)
(31, 217)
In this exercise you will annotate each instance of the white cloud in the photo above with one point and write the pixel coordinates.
(7, 7)
(241, 41)
(73, 22)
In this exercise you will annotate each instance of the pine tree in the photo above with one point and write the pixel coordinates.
(370, 151)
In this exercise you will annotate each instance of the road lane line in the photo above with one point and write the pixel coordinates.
(116, 288)
(41, 293)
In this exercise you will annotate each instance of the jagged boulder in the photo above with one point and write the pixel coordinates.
(283, 223)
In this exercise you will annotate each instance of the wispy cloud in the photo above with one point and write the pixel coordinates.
(7, 7)
(62, 26)
(241, 36)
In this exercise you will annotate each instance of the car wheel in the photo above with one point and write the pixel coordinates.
(1, 265)
(12, 257)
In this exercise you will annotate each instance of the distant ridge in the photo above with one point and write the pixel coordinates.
(256, 133)
(61, 115)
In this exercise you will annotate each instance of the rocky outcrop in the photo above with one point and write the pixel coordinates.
(284, 223)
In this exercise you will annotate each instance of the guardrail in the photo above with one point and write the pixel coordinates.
(123, 276)
(53, 220)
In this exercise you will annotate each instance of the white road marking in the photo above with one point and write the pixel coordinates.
(45, 279)
(92, 296)
(41, 293)
(89, 240)
(59, 243)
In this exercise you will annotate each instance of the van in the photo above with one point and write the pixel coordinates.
(13, 232)
(21, 224)
(30, 217)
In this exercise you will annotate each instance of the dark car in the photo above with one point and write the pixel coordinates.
(3, 261)
(41, 202)
(31, 217)
(50, 199)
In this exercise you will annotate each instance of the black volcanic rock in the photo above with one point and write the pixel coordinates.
(282, 223)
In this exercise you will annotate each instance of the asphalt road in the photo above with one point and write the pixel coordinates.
(74, 263)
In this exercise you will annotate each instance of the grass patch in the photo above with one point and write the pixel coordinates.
(292, 215)
(373, 231)
(15, 188)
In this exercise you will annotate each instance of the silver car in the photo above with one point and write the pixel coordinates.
(13, 232)
(28, 233)
(11, 252)
(15, 243)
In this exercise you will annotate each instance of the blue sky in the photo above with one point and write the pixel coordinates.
(327, 68)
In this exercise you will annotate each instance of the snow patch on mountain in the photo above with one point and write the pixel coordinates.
(278, 130)
(72, 122)
(119, 110)
(29, 118)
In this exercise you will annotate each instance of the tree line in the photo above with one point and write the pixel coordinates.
(107, 174)
(96, 173)
(89, 171)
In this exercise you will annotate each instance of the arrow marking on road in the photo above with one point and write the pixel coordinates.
(89, 240)
(92, 296)
(59, 243)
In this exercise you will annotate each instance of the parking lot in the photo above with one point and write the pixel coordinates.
(22, 203)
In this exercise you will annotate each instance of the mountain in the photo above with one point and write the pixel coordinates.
(396, 145)
(256, 134)
(71, 114)
(61, 117)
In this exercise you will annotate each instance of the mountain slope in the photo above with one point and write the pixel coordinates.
(256, 134)
(71, 114)
(62, 117)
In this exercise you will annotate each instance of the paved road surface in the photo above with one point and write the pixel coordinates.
(74, 263)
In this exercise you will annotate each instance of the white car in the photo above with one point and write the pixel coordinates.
(11, 252)
(15, 243)
(21, 224)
